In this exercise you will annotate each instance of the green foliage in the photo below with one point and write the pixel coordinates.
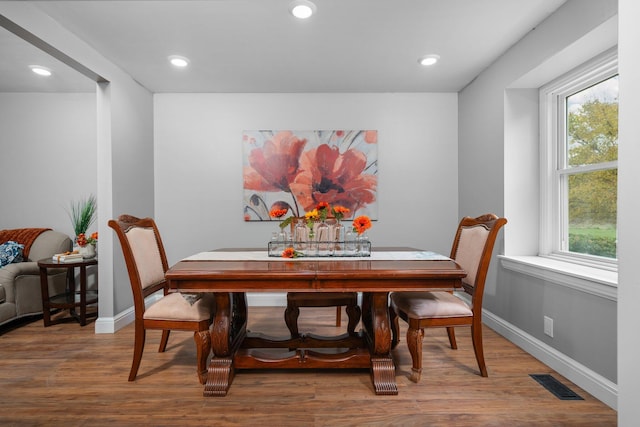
(604, 246)
(593, 138)
(593, 133)
(83, 214)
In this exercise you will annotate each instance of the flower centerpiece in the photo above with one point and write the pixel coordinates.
(290, 253)
(311, 217)
(278, 212)
(83, 215)
(360, 225)
(339, 212)
(279, 239)
(82, 240)
(325, 247)
(323, 210)
(339, 233)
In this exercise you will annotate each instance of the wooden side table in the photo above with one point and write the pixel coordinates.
(71, 298)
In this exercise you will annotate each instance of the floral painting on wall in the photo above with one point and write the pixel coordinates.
(295, 170)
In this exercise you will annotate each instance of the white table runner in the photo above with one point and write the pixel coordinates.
(262, 256)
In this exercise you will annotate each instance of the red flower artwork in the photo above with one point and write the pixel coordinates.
(338, 179)
(274, 166)
(299, 170)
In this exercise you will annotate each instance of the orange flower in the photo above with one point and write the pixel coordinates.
(361, 224)
(289, 253)
(323, 210)
(322, 205)
(82, 239)
(277, 213)
(339, 212)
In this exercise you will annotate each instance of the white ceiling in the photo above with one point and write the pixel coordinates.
(256, 46)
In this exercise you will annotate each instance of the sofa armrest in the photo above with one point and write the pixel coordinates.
(11, 272)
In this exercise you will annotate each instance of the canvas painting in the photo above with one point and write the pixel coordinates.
(297, 170)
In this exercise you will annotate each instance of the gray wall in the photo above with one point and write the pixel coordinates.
(198, 169)
(124, 149)
(628, 208)
(48, 157)
(498, 141)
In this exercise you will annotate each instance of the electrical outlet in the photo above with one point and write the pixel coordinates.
(548, 326)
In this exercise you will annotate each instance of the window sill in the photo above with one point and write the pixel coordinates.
(595, 281)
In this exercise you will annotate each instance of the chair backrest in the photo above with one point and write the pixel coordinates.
(144, 256)
(472, 249)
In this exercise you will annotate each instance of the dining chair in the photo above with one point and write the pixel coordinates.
(146, 262)
(295, 300)
(472, 249)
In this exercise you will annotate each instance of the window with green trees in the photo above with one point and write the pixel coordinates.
(591, 169)
(579, 143)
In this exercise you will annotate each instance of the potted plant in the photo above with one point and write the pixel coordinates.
(83, 215)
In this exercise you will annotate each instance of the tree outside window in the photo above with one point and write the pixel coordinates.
(589, 174)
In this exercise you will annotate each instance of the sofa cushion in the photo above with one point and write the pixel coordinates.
(10, 252)
(3, 295)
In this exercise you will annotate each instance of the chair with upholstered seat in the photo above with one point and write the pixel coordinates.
(146, 263)
(472, 250)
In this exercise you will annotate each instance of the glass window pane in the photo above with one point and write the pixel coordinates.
(592, 213)
(592, 124)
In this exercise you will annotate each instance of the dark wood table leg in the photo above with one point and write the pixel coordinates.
(83, 295)
(227, 332)
(378, 329)
(44, 288)
(70, 290)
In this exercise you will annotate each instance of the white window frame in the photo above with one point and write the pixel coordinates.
(552, 147)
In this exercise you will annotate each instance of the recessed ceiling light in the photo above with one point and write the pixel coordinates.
(40, 70)
(429, 60)
(302, 9)
(178, 61)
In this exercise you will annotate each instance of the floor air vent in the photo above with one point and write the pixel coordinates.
(560, 390)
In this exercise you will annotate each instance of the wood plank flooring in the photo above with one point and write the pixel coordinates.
(67, 375)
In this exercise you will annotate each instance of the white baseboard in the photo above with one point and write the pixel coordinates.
(595, 384)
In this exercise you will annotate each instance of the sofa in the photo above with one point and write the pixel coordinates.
(20, 292)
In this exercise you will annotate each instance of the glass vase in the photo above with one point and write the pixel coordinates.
(338, 239)
(300, 237)
(363, 245)
(312, 241)
(350, 246)
(323, 239)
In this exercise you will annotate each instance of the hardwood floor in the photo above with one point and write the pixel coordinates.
(67, 375)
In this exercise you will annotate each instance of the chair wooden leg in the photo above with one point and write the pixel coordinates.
(338, 316)
(291, 314)
(354, 313)
(164, 340)
(203, 348)
(395, 327)
(476, 337)
(414, 343)
(452, 337)
(138, 348)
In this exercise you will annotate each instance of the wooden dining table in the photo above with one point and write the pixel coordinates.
(231, 273)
